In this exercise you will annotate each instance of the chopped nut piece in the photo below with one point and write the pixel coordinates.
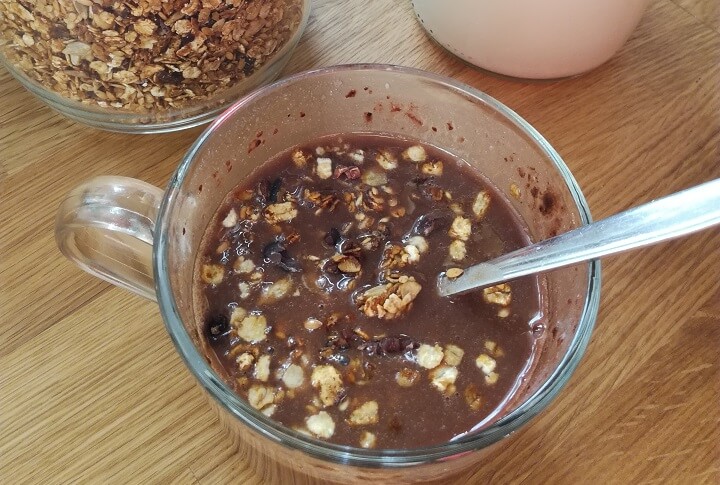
(406, 377)
(432, 168)
(472, 397)
(515, 191)
(243, 265)
(245, 361)
(260, 396)
(269, 410)
(461, 228)
(503, 312)
(374, 178)
(429, 356)
(281, 212)
(453, 354)
(499, 294)
(321, 425)
(299, 158)
(212, 274)
(420, 243)
(251, 328)
(244, 290)
(324, 168)
(365, 414)
(457, 209)
(457, 250)
(344, 405)
(294, 376)
(237, 316)
(276, 291)
(230, 219)
(415, 153)
(491, 378)
(262, 368)
(312, 324)
(390, 300)
(453, 273)
(413, 254)
(443, 377)
(485, 363)
(386, 160)
(329, 381)
(357, 156)
(367, 440)
(481, 204)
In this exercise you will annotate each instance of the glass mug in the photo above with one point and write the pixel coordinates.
(145, 239)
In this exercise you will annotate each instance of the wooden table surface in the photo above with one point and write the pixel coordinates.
(91, 389)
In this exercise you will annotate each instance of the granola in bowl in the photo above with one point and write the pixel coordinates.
(147, 65)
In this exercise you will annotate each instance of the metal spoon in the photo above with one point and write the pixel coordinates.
(673, 216)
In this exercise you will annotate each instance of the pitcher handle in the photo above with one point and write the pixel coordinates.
(106, 227)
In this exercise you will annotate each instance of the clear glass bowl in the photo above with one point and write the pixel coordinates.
(58, 51)
(97, 221)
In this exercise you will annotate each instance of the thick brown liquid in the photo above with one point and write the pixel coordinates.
(367, 352)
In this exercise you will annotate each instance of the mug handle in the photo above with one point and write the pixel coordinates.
(106, 227)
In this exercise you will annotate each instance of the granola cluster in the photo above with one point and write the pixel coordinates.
(144, 55)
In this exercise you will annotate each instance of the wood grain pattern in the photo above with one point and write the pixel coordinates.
(92, 391)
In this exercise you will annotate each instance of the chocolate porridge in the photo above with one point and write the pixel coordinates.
(316, 293)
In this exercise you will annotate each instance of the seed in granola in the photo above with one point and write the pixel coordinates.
(349, 264)
(312, 324)
(453, 273)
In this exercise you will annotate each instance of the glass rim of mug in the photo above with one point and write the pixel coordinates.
(274, 431)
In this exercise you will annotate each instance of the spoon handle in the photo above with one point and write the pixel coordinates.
(676, 215)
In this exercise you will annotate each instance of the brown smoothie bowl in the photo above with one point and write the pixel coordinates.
(165, 229)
